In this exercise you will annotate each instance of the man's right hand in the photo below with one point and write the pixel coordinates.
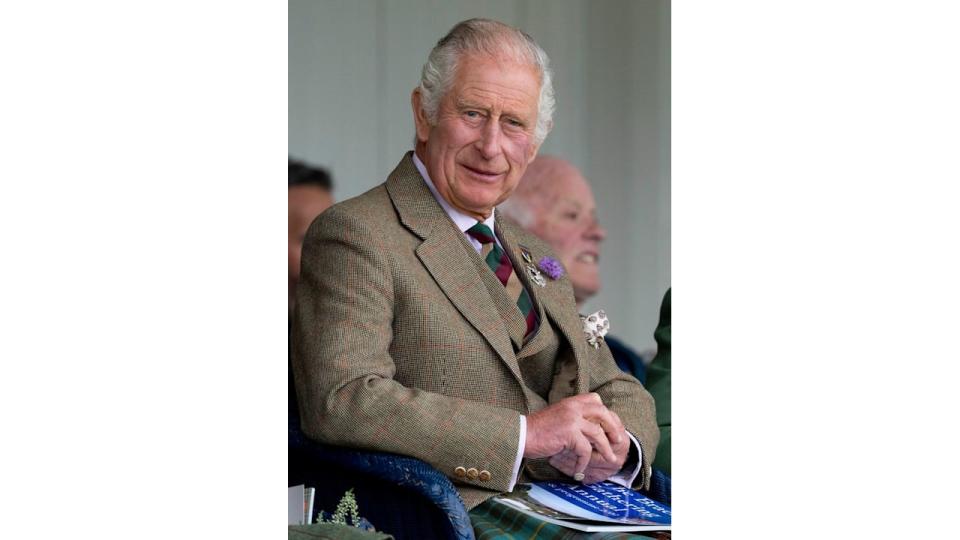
(578, 425)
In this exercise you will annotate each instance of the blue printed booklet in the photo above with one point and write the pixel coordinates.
(596, 507)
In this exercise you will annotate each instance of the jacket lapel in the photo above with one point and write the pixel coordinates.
(446, 254)
(554, 300)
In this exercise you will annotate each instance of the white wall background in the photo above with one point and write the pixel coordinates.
(353, 64)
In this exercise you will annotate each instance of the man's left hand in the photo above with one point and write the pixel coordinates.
(599, 469)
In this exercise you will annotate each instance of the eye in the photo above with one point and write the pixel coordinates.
(571, 215)
(514, 124)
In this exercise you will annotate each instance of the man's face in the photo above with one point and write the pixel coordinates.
(483, 139)
(566, 219)
(304, 203)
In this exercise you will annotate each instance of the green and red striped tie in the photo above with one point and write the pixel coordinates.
(499, 262)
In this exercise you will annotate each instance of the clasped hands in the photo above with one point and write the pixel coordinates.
(581, 436)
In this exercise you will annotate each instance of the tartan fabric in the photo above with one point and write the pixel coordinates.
(500, 264)
(494, 521)
(399, 346)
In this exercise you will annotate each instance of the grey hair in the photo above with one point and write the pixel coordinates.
(490, 38)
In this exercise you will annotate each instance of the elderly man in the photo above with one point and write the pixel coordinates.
(423, 325)
(555, 202)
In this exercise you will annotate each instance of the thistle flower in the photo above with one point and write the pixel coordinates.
(551, 267)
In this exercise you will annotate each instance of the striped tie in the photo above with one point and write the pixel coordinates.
(499, 262)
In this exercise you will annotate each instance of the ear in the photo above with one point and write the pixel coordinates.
(536, 147)
(533, 154)
(419, 116)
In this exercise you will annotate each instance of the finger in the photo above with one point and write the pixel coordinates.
(610, 429)
(582, 451)
(618, 423)
(589, 398)
(568, 460)
(564, 464)
(566, 457)
(616, 431)
(598, 439)
(608, 420)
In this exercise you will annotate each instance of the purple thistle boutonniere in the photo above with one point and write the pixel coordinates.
(551, 267)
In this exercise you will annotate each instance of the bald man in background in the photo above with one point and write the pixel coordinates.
(555, 202)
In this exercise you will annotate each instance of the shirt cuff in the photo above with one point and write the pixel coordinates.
(520, 448)
(626, 477)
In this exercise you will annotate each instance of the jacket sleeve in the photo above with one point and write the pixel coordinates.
(624, 395)
(344, 323)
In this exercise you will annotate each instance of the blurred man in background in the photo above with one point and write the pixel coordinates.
(309, 192)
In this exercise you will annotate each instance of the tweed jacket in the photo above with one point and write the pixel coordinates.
(400, 346)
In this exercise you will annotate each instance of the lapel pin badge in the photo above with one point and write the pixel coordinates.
(525, 253)
(536, 276)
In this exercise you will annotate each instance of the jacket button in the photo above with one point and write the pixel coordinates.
(484, 475)
(460, 472)
(472, 473)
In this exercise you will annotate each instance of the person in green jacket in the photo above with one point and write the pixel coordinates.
(658, 384)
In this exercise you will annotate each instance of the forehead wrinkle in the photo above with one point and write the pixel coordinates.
(491, 101)
(493, 87)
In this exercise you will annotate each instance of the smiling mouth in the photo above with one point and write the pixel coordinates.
(589, 258)
(486, 175)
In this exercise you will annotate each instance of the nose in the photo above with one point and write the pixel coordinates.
(595, 231)
(489, 142)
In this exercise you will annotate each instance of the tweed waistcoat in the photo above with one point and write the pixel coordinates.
(538, 364)
(537, 357)
(537, 354)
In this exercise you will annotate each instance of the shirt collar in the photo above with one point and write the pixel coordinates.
(462, 221)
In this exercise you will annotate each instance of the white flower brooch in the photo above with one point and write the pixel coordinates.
(595, 326)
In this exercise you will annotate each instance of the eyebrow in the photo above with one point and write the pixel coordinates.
(462, 103)
(465, 104)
